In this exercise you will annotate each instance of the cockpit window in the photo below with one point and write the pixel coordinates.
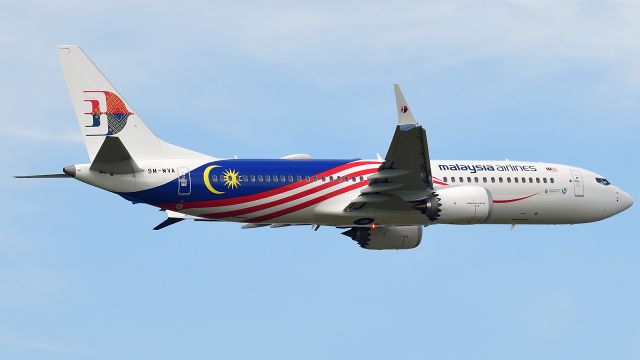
(603, 181)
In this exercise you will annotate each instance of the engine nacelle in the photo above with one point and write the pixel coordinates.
(386, 237)
(457, 205)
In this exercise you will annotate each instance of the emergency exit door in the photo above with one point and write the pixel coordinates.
(578, 185)
(184, 182)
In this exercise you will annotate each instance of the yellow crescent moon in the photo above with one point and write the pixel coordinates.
(207, 182)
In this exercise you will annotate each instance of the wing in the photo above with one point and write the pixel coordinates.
(405, 175)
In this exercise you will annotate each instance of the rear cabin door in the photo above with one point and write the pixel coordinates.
(578, 185)
(184, 181)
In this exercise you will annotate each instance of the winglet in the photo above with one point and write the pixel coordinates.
(405, 117)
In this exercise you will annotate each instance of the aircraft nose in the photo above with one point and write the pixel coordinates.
(625, 200)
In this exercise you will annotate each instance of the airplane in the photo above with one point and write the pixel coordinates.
(382, 203)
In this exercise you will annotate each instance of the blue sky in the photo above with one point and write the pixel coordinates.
(82, 276)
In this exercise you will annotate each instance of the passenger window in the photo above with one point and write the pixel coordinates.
(475, 179)
(267, 178)
(444, 179)
(274, 178)
(282, 178)
(259, 178)
(307, 178)
(461, 179)
(544, 180)
(331, 178)
(484, 179)
(353, 178)
(453, 179)
(493, 180)
(290, 178)
(509, 179)
(552, 181)
(531, 180)
(524, 180)
(500, 179)
(324, 178)
(361, 178)
(468, 178)
(214, 178)
(315, 178)
(245, 178)
(538, 180)
(515, 179)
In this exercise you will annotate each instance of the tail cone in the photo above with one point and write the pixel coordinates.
(70, 170)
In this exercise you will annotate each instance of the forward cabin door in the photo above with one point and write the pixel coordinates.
(578, 185)
(184, 181)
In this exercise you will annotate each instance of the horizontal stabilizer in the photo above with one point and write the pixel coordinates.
(113, 158)
(169, 221)
(175, 217)
(44, 176)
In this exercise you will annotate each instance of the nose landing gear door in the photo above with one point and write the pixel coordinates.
(578, 185)
(184, 182)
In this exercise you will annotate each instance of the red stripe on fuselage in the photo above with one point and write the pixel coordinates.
(513, 200)
(438, 181)
(265, 194)
(284, 200)
(307, 203)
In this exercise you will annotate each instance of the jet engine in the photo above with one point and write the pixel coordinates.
(457, 205)
(386, 237)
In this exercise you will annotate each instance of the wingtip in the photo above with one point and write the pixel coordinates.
(405, 117)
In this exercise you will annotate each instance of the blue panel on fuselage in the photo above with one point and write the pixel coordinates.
(168, 193)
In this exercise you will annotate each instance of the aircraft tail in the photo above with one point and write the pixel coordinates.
(107, 121)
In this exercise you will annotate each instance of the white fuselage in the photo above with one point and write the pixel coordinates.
(553, 194)
(520, 193)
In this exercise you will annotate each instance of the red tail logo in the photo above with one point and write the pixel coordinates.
(117, 112)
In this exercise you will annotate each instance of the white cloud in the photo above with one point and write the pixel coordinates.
(40, 135)
(40, 346)
(550, 315)
(435, 33)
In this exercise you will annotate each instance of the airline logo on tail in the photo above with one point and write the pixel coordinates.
(117, 113)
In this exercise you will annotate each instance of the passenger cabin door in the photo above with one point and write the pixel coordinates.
(184, 181)
(578, 185)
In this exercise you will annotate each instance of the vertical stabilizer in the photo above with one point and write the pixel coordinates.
(102, 112)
